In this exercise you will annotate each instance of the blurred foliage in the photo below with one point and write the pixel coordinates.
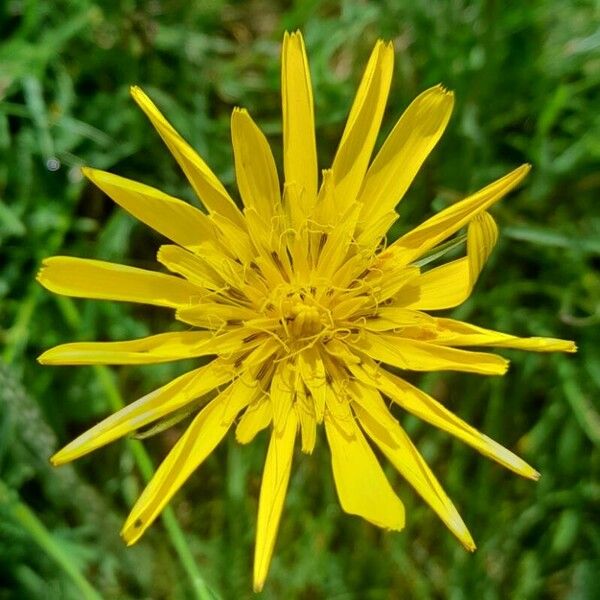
(526, 79)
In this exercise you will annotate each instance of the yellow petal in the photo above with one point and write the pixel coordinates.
(402, 154)
(393, 282)
(234, 237)
(87, 278)
(152, 349)
(206, 184)
(202, 267)
(326, 212)
(273, 488)
(416, 355)
(451, 284)
(340, 350)
(282, 394)
(399, 450)
(299, 145)
(442, 287)
(312, 371)
(177, 220)
(164, 347)
(215, 315)
(255, 169)
(441, 226)
(425, 407)
(370, 232)
(337, 406)
(296, 217)
(308, 423)
(336, 244)
(482, 235)
(361, 485)
(257, 416)
(392, 317)
(269, 254)
(456, 333)
(354, 152)
(349, 306)
(199, 440)
(147, 409)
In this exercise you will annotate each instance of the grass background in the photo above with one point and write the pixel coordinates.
(526, 79)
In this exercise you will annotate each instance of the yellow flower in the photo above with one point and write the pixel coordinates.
(307, 314)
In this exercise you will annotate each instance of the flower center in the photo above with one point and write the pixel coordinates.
(301, 316)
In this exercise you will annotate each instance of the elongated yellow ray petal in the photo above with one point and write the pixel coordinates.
(416, 355)
(394, 283)
(354, 152)
(215, 315)
(337, 406)
(449, 332)
(451, 284)
(442, 287)
(199, 440)
(173, 218)
(399, 450)
(273, 488)
(257, 416)
(235, 237)
(297, 214)
(299, 145)
(392, 317)
(163, 347)
(362, 487)
(335, 248)
(414, 136)
(448, 221)
(206, 184)
(312, 371)
(425, 407)
(369, 234)
(482, 235)
(308, 423)
(87, 278)
(203, 267)
(282, 394)
(349, 306)
(147, 409)
(255, 169)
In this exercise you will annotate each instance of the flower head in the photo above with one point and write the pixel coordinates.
(308, 316)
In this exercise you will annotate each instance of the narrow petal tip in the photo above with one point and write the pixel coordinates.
(132, 531)
(504, 368)
(442, 89)
(293, 35)
(525, 168)
(398, 526)
(39, 277)
(96, 176)
(43, 358)
(59, 458)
